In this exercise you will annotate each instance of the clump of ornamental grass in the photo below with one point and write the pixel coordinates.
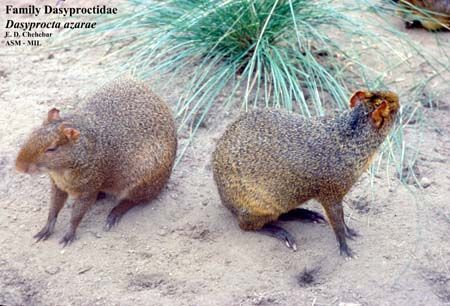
(272, 53)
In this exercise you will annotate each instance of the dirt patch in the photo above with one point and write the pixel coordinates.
(439, 283)
(15, 289)
(309, 277)
(150, 281)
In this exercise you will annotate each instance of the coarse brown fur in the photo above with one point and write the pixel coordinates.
(431, 14)
(270, 161)
(122, 142)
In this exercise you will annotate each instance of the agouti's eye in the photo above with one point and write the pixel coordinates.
(51, 149)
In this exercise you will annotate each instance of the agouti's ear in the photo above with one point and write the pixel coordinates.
(71, 133)
(379, 114)
(357, 97)
(53, 115)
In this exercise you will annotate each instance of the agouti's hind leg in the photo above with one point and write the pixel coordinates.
(300, 214)
(263, 224)
(58, 198)
(279, 233)
(80, 206)
(335, 214)
(118, 211)
(144, 192)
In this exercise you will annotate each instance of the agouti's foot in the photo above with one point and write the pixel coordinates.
(346, 252)
(413, 24)
(45, 232)
(67, 239)
(301, 214)
(112, 220)
(279, 233)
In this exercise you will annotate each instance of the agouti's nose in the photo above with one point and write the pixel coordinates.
(22, 167)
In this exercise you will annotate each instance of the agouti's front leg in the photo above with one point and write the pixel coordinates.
(58, 198)
(80, 206)
(335, 214)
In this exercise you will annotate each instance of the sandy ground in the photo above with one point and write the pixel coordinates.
(185, 248)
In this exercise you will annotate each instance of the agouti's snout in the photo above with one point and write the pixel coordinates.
(21, 166)
(24, 165)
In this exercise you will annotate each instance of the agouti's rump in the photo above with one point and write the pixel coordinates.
(269, 162)
(122, 142)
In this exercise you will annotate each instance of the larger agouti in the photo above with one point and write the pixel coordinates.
(122, 142)
(269, 162)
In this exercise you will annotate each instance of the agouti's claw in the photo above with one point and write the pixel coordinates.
(280, 233)
(111, 221)
(317, 218)
(42, 235)
(290, 242)
(45, 232)
(291, 245)
(320, 219)
(68, 238)
(346, 252)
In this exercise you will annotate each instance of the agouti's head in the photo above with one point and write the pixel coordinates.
(381, 106)
(48, 147)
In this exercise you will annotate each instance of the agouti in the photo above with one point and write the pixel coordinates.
(122, 142)
(270, 161)
(431, 14)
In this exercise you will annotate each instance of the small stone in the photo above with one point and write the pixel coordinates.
(52, 270)
(425, 182)
(162, 232)
(205, 203)
(85, 269)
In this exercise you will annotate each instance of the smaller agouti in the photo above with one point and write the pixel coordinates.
(122, 142)
(433, 15)
(270, 161)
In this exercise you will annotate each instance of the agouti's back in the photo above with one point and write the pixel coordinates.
(268, 162)
(132, 128)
